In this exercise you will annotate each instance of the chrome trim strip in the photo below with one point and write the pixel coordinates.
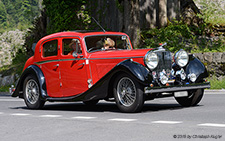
(59, 60)
(149, 90)
(116, 58)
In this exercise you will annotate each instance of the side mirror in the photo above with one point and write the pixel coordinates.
(75, 55)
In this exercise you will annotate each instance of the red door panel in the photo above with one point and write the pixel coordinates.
(50, 66)
(51, 73)
(72, 69)
(73, 76)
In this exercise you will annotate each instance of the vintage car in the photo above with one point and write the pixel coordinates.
(91, 66)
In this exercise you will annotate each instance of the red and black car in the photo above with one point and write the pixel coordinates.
(92, 66)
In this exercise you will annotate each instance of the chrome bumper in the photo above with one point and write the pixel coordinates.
(149, 90)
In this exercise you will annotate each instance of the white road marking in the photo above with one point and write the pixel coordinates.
(83, 117)
(20, 114)
(122, 119)
(10, 100)
(167, 122)
(212, 125)
(51, 116)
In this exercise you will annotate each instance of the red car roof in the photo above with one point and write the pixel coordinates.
(81, 34)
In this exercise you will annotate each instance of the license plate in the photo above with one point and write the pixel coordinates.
(181, 94)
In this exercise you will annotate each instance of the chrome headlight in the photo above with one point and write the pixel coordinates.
(151, 60)
(181, 58)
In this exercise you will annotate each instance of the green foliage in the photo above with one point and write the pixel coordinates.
(17, 65)
(4, 89)
(174, 34)
(213, 12)
(66, 15)
(181, 36)
(19, 61)
(18, 14)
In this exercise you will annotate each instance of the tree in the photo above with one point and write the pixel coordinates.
(162, 13)
(3, 19)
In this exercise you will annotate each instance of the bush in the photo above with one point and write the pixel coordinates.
(179, 35)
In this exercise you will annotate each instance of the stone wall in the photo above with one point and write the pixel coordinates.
(214, 62)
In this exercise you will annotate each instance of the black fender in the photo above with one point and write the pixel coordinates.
(137, 70)
(31, 70)
(104, 87)
(197, 67)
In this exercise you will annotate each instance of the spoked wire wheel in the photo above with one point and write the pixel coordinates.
(32, 91)
(126, 91)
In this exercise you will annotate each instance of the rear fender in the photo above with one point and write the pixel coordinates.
(31, 70)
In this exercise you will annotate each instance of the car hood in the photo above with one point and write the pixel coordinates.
(119, 53)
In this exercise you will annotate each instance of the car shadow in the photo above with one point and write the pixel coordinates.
(107, 107)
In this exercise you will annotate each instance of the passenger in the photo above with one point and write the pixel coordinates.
(75, 46)
(109, 44)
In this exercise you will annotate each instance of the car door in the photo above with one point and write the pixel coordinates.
(50, 67)
(72, 69)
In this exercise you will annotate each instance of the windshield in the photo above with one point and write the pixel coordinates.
(107, 42)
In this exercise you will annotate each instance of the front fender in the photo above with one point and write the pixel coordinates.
(104, 87)
(31, 70)
(137, 70)
(197, 67)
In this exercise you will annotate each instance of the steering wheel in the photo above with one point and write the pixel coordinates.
(92, 48)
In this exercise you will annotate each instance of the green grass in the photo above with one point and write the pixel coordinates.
(4, 89)
(217, 84)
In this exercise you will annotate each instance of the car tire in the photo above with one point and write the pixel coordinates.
(193, 98)
(31, 93)
(128, 94)
(91, 103)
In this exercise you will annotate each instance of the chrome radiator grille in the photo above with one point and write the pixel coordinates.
(165, 61)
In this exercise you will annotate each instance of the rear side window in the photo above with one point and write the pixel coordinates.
(50, 48)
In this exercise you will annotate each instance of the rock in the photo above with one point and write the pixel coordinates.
(217, 57)
(208, 57)
(7, 80)
(223, 58)
(199, 56)
(220, 78)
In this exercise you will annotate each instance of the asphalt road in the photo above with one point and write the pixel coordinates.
(161, 119)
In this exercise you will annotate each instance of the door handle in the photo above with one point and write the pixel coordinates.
(81, 64)
(57, 65)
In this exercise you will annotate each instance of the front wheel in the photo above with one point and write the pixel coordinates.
(193, 98)
(128, 94)
(31, 93)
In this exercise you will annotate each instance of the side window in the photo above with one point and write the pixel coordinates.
(50, 48)
(71, 45)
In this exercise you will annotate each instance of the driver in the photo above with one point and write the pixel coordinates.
(75, 46)
(109, 44)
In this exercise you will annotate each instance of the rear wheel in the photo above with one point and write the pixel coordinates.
(31, 93)
(128, 94)
(193, 98)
